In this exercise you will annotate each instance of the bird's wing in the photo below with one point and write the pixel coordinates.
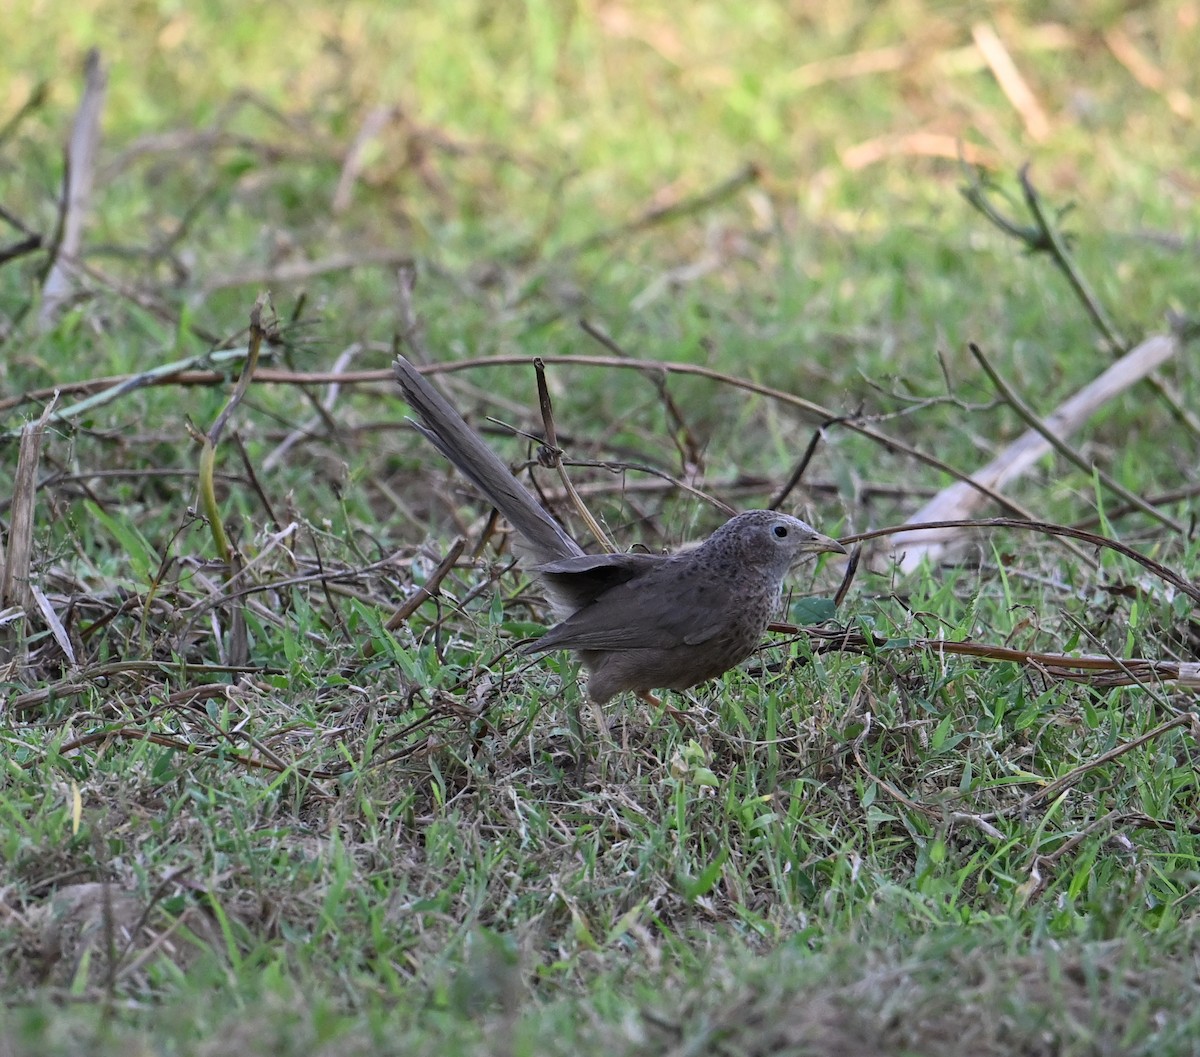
(653, 611)
(576, 582)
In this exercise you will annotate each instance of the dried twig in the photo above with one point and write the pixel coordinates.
(661, 479)
(958, 501)
(106, 390)
(16, 560)
(1116, 382)
(238, 641)
(1092, 669)
(747, 175)
(1049, 529)
(299, 271)
(1052, 241)
(798, 470)
(551, 455)
(917, 144)
(372, 125)
(324, 408)
(808, 409)
(1145, 72)
(180, 374)
(1043, 236)
(1053, 789)
(429, 589)
(1012, 84)
(59, 286)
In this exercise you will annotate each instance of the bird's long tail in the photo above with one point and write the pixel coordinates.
(545, 540)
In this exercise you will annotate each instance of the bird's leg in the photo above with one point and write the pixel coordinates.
(579, 736)
(677, 714)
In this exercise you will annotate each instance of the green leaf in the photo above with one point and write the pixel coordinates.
(143, 559)
(813, 610)
(694, 888)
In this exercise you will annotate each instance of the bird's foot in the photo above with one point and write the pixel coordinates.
(679, 715)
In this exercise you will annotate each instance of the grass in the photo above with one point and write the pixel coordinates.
(329, 836)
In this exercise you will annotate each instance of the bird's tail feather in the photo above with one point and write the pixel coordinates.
(545, 539)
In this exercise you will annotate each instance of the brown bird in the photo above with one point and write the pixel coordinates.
(639, 622)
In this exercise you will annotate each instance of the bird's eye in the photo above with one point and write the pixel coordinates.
(780, 532)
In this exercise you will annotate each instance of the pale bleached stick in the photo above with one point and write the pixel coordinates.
(59, 286)
(961, 500)
(356, 157)
(1012, 84)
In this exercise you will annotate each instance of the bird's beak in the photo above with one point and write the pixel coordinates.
(820, 544)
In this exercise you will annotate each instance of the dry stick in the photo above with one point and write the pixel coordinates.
(1037, 883)
(179, 745)
(1012, 84)
(255, 484)
(83, 681)
(1044, 237)
(208, 497)
(356, 157)
(739, 484)
(1059, 785)
(848, 576)
(1049, 529)
(303, 140)
(233, 738)
(798, 472)
(150, 301)
(662, 478)
(551, 455)
(692, 451)
(812, 411)
(748, 174)
(929, 811)
(1128, 676)
(323, 408)
(846, 67)
(81, 167)
(185, 373)
(16, 559)
(1171, 495)
(892, 58)
(959, 499)
(919, 144)
(239, 647)
(298, 271)
(29, 244)
(689, 448)
(1051, 789)
(410, 335)
(113, 388)
(429, 589)
(1092, 669)
(333, 580)
(1145, 72)
(1053, 243)
(1029, 417)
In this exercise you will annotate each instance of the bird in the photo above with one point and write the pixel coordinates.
(638, 622)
